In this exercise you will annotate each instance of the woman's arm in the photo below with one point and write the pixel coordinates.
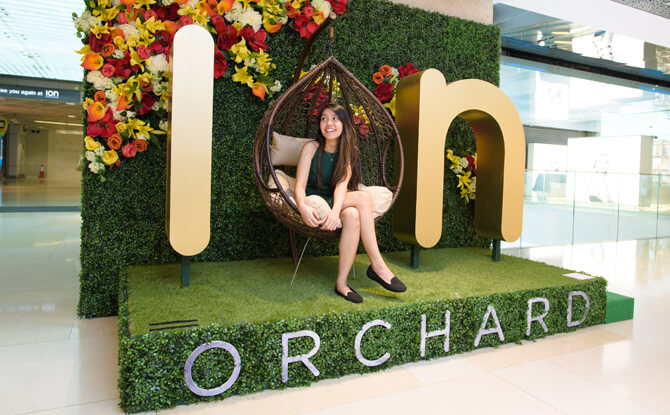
(333, 218)
(309, 215)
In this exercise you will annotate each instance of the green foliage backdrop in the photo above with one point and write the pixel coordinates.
(123, 217)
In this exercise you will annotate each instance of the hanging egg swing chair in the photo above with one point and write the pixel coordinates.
(293, 119)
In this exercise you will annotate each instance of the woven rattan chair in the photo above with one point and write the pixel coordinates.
(296, 113)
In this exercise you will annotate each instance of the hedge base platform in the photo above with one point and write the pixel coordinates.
(241, 327)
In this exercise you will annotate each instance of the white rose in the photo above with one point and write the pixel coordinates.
(117, 114)
(457, 170)
(463, 162)
(112, 96)
(251, 17)
(322, 6)
(83, 23)
(163, 125)
(158, 64)
(276, 87)
(100, 151)
(96, 167)
(234, 13)
(129, 29)
(90, 156)
(118, 54)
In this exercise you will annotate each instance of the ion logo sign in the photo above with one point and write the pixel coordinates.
(52, 93)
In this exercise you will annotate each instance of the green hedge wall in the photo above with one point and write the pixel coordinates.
(151, 366)
(123, 217)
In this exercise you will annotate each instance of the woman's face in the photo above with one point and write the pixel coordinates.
(331, 125)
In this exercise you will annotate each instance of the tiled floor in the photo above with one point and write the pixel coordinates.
(53, 363)
(39, 192)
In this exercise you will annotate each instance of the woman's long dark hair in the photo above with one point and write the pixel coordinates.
(348, 154)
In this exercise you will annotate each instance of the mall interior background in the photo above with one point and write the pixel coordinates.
(594, 98)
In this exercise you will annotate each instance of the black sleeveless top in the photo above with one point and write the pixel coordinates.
(327, 168)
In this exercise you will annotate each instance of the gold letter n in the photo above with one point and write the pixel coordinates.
(426, 106)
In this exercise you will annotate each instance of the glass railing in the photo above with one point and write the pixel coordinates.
(574, 207)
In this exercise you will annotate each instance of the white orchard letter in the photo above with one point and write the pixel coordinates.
(540, 317)
(304, 358)
(497, 329)
(359, 337)
(585, 297)
(197, 352)
(445, 332)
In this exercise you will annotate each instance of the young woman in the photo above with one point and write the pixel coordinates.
(330, 167)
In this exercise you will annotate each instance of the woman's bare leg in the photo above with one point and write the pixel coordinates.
(351, 231)
(361, 202)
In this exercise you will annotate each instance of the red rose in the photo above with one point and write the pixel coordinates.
(220, 63)
(339, 6)
(107, 70)
(96, 44)
(384, 92)
(129, 150)
(143, 52)
(227, 38)
(166, 13)
(307, 30)
(364, 129)
(308, 11)
(103, 127)
(149, 14)
(148, 101)
(357, 119)
(162, 43)
(407, 70)
(185, 20)
(121, 18)
(257, 41)
(121, 67)
(218, 22)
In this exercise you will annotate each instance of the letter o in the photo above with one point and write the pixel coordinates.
(197, 352)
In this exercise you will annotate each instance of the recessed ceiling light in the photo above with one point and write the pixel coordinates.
(72, 116)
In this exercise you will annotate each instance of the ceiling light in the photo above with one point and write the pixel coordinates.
(563, 42)
(72, 116)
(51, 122)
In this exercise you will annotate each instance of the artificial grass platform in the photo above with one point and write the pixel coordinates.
(257, 291)
(242, 328)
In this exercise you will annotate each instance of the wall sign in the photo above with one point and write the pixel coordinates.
(35, 92)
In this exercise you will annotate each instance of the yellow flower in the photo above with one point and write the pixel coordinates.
(464, 181)
(144, 3)
(107, 14)
(91, 144)
(195, 15)
(133, 41)
(84, 51)
(245, 3)
(391, 105)
(120, 43)
(264, 62)
(110, 157)
(104, 3)
(240, 51)
(87, 102)
(243, 77)
(98, 31)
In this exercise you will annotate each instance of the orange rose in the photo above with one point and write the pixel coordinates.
(107, 50)
(377, 78)
(141, 145)
(100, 97)
(385, 70)
(114, 141)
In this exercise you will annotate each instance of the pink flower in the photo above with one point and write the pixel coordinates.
(149, 14)
(143, 52)
(121, 18)
(185, 20)
(107, 70)
(129, 150)
(357, 119)
(364, 129)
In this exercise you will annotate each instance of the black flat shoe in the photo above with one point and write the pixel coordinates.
(352, 296)
(396, 285)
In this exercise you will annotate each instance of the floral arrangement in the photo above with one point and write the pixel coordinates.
(127, 50)
(386, 80)
(465, 168)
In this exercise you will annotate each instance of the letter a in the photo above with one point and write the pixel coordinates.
(497, 329)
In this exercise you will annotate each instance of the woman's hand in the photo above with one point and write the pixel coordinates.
(331, 221)
(309, 216)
